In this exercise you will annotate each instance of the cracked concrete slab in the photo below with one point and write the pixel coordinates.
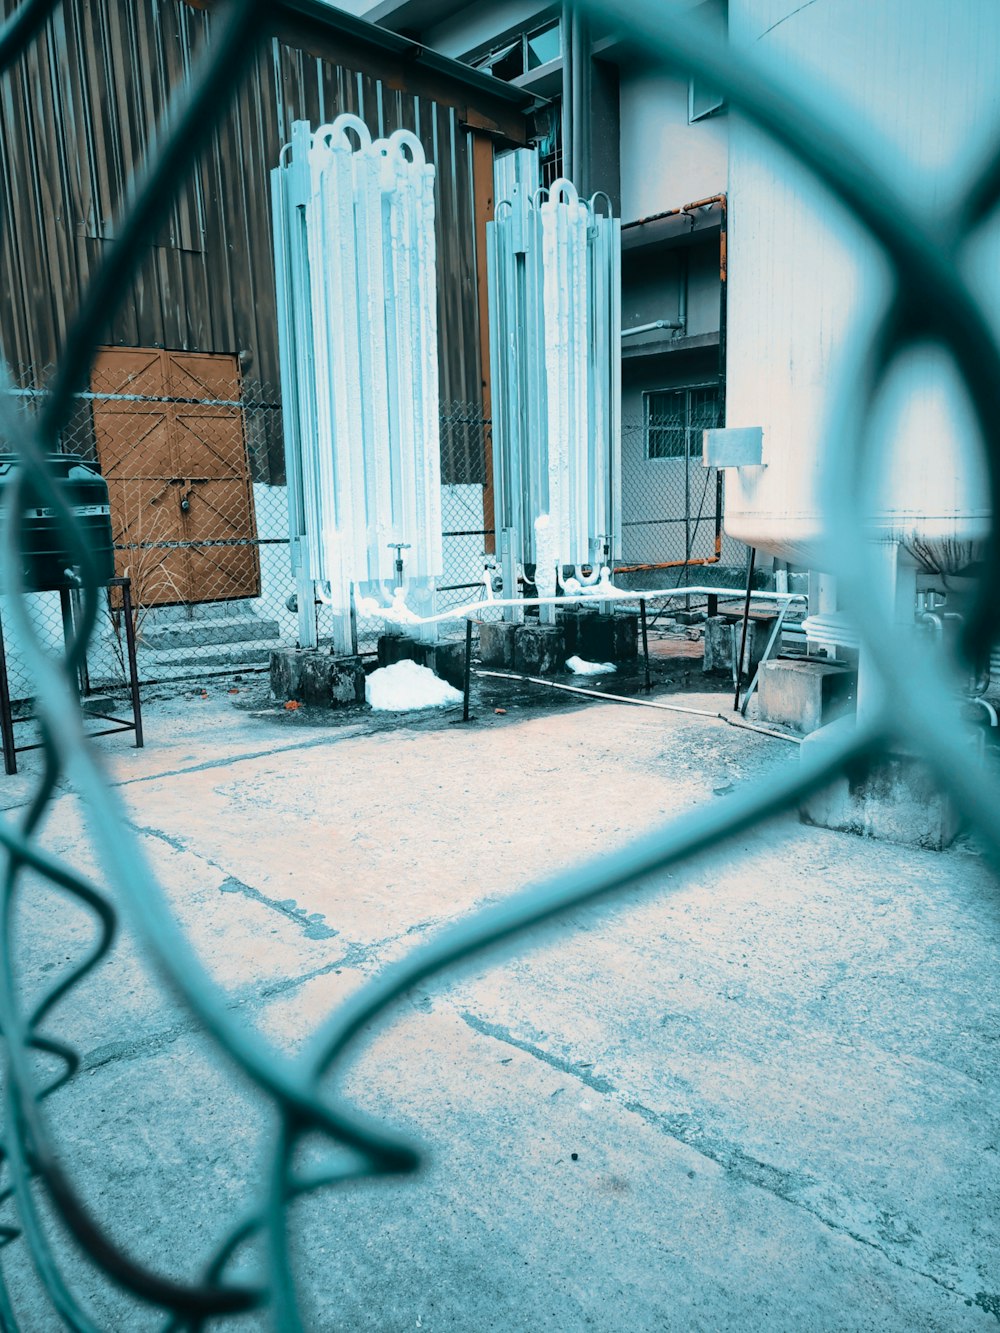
(776, 1067)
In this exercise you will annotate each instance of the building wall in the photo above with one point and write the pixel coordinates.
(651, 284)
(807, 283)
(76, 115)
(665, 161)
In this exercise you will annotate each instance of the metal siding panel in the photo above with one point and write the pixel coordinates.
(80, 107)
(28, 232)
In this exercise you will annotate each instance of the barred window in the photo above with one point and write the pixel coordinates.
(675, 419)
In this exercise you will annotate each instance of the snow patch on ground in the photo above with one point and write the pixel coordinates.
(584, 668)
(405, 686)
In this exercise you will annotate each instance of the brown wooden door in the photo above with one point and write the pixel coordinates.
(170, 441)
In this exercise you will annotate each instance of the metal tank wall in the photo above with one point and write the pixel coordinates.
(804, 283)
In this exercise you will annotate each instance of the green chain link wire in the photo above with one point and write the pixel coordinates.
(920, 707)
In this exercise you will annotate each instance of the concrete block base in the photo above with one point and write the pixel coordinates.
(722, 644)
(600, 638)
(315, 677)
(805, 695)
(893, 798)
(446, 660)
(536, 650)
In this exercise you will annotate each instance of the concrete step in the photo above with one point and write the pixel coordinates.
(195, 634)
(189, 663)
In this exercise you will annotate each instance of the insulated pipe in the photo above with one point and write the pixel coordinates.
(401, 614)
(675, 564)
(991, 711)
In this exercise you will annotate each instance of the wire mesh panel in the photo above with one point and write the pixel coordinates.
(466, 500)
(190, 451)
(192, 455)
(672, 505)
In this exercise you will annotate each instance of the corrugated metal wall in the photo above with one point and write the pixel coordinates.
(77, 114)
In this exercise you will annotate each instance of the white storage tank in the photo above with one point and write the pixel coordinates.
(805, 283)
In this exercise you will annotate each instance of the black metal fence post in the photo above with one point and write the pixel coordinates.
(467, 680)
(751, 560)
(645, 640)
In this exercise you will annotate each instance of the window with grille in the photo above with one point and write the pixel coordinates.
(675, 419)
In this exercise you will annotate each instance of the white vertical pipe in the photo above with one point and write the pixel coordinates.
(355, 260)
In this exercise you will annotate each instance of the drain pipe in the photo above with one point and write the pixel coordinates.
(656, 324)
(576, 100)
(679, 325)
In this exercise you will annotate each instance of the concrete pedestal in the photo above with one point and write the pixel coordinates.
(446, 660)
(600, 638)
(894, 798)
(722, 644)
(314, 676)
(535, 650)
(805, 695)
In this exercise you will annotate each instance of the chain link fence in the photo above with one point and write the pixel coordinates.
(927, 298)
(192, 454)
(672, 505)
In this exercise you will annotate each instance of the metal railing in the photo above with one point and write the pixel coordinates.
(931, 301)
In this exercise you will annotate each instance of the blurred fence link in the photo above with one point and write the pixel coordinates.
(252, 1267)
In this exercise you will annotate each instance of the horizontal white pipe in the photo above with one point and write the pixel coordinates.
(598, 592)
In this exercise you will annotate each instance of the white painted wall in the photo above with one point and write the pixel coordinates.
(665, 162)
(479, 25)
(805, 283)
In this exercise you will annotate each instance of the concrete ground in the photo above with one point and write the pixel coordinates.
(757, 1093)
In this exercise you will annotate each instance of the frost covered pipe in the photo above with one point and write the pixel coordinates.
(554, 261)
(355, 265)
(400, 613)
(991, 711)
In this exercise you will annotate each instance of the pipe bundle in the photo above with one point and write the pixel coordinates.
(357, 310)
(555, 322)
